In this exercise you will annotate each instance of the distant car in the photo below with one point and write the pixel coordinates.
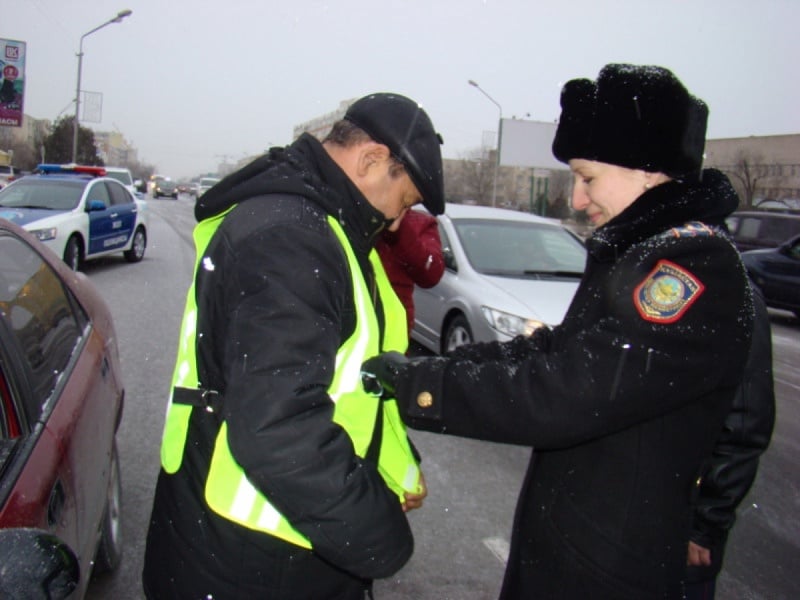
(165, 187)
(78, 213)
(151, 183)
(506, 273)
(762, 228)
(777, 272)
(205, 184)
(184, 188)
(61, 402)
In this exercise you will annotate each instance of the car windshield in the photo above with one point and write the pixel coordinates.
(54, 194)
(208, 182)
(519, 249)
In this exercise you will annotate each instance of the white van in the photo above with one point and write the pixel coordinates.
(206, 183)
(7, 175)
(123, 175)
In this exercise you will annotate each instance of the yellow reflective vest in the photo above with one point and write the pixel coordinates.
(228, 491)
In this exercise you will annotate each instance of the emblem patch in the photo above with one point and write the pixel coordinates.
(666, 293)
(691, 229)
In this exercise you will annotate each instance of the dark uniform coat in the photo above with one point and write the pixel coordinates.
(732, 467)
(622, 402)
(275, 303)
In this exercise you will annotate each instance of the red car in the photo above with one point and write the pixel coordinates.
(61, 398)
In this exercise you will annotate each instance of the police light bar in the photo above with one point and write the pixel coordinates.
(72, 168)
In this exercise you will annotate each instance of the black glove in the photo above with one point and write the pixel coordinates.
(379, 373)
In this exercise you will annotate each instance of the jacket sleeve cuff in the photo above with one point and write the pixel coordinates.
(419, 392)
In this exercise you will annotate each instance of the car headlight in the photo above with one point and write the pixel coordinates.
(44, 235)
(511, 325)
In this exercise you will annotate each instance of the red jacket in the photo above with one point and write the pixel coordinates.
(412, 255)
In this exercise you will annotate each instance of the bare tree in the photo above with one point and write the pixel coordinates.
(511, 189)
(478, 175)
(746, 172)
(560, 190)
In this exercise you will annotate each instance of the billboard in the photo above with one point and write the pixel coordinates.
(12, 82)
(528, 144)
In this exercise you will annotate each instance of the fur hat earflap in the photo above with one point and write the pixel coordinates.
(640, 117)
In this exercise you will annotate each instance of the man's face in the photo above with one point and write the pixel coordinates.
(390, 190)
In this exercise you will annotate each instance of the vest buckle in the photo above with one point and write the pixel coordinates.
(212, 400)
(209, 400)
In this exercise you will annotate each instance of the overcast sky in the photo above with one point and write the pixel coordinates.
(192, 82)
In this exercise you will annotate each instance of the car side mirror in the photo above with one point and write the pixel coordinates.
(790, 249)
(96, 205)
(449, 259)
(36, 564)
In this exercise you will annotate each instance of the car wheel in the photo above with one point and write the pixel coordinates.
(72, 253)
(458, 333)
(136, 253)
(109, 551)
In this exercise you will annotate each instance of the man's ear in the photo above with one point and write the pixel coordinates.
(371, 154)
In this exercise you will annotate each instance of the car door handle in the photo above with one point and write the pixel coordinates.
(55, 504)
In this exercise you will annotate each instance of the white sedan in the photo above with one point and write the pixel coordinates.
(506, 273)
(78, 213)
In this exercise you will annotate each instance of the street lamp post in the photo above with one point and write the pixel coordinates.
(120, 15)
(499, 127)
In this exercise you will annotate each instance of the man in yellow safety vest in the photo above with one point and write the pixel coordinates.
(281, 475)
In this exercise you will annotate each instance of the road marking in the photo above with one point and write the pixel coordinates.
(497, 546)
(786, 382)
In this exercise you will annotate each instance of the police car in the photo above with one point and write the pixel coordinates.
(78, 212)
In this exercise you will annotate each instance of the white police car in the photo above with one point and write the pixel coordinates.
(78, 212)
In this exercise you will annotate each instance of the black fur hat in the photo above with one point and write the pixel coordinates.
(640, 117)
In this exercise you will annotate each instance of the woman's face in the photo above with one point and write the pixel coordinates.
(604, 190)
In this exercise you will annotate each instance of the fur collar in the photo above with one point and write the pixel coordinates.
(668, 205)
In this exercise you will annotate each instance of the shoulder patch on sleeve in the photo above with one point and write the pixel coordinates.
(691, 229)
(666, 293)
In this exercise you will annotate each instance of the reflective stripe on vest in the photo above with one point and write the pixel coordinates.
(176, 423)
(228, 491)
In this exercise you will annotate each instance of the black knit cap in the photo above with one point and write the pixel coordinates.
(640, 117)
(403, 126)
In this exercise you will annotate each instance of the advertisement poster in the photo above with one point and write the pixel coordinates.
(12, 82)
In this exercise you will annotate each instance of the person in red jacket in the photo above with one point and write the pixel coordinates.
(411, 256)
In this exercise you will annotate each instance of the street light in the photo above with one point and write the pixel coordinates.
(499, 129)
(120, 15)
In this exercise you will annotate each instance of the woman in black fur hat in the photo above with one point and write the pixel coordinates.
(623, 401)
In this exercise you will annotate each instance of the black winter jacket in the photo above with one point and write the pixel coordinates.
(622, 402)
(731, 469)
(274, 299)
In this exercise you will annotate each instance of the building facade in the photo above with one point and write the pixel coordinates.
(763, 169)
(114, 149)
(320, 126)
